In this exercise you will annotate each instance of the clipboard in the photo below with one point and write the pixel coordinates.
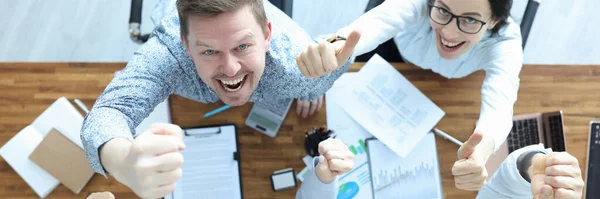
(211, 166)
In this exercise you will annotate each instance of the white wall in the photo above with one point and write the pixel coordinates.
(564, 32)
(68, 30)
(319, 17)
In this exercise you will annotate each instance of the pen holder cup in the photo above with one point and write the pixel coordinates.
(313, 137)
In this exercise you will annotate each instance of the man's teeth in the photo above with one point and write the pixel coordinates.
(236, 82)
(449, 44)
(233, 82)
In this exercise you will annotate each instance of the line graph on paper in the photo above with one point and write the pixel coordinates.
(415, 176)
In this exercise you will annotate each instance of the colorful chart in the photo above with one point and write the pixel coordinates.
(359, 149)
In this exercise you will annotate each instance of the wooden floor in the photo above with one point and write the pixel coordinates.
(27, 89)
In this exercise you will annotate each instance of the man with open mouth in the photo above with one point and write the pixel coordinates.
(235, 51)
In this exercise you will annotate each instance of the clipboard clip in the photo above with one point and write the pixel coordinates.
(236, 156)
(202, 132)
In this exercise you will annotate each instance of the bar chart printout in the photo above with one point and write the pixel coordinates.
(415, 176)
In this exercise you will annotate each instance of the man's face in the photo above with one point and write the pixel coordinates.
(229, 53)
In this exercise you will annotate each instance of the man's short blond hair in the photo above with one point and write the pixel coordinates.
(211, 8)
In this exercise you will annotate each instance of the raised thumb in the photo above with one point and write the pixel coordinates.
(348, 47)
(469, 146)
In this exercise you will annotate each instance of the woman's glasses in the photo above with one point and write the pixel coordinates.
(465, 24)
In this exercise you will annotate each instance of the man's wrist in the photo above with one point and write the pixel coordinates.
(113, 152)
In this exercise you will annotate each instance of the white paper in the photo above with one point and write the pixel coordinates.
(302, 174)
(415, 176)
(209, 170)
(307, 160)
(352, 134)
(388, 106)
(62, 116)
(16, 153)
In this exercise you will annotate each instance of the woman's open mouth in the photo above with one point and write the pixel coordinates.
(233, 85)
(450, 46)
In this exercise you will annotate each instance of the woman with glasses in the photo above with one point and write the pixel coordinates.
(453, 38)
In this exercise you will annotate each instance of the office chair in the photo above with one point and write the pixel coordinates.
(389, 51)
(135, 17)
(135, 22)
(528, 17)
(284, 5)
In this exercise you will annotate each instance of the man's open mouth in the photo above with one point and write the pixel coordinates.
(233, 85)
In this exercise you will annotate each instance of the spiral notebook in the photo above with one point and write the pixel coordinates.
(211, 166)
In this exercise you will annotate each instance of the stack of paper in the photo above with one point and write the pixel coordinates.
(355, 183)
(376, 101)
(307, 161)
(62, 116)
(388, 106)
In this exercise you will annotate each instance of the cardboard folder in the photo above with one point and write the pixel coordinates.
(64, 160)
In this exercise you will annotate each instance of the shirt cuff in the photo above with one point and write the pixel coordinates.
(95, 133)
(514, 156)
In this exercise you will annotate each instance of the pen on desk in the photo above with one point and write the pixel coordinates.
(221, 109)
(447, 137)
(82, 106)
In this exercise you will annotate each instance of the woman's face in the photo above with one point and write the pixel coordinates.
(451, 41)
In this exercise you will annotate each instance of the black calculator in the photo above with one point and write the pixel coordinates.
(592, 177)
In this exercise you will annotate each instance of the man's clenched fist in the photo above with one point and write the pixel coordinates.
(151, 164)
(555, 175)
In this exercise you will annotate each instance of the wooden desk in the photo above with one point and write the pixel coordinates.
(27, 89)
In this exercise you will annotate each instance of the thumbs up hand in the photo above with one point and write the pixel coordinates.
(469, 170)
(321, 59)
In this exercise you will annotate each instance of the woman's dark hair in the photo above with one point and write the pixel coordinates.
(500, 11)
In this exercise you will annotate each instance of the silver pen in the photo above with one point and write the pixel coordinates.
(447, 137)
(82, 106)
